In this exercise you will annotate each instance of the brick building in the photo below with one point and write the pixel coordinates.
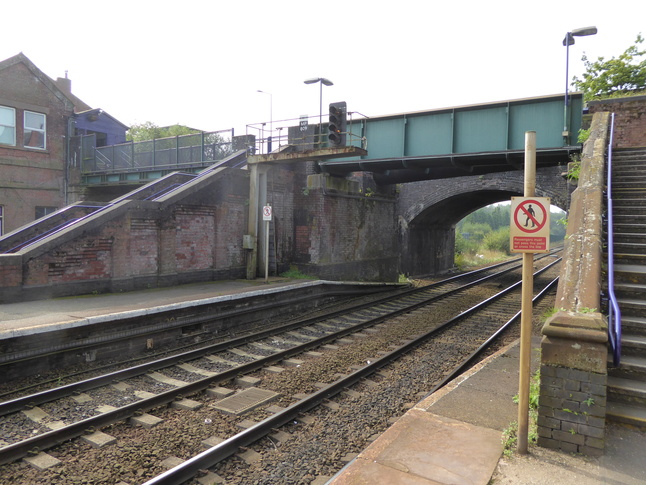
(38, 118)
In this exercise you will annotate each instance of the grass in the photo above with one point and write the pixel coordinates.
(479, 258)
(295, 274)
(510, 434)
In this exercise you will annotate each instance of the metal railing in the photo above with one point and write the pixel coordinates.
(301, 134)
(614, 314)
(175, 152)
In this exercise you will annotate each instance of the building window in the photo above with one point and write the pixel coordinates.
(43, 211)
(7, 126)
(34, 136)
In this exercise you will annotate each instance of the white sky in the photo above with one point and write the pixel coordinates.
(200, 63)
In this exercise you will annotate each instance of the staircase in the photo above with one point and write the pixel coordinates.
(627, 383)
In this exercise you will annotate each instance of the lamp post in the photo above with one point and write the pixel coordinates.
(567, 42)
(271, 118)
(271, 108)
(322, 81)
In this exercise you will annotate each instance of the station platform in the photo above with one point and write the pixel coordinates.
(451, 437)
(454, 437)
(28, 317)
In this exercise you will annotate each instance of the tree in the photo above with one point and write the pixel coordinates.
(614, 77)
(150, 131)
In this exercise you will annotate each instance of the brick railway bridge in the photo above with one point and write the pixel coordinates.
(338, 212)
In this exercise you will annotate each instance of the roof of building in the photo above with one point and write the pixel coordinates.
(61, 87)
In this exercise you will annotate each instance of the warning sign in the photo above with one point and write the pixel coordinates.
(529, 228)
(266, 213)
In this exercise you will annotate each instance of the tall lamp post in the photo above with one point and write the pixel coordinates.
(271, 108)
(567, 42)
(322, 81)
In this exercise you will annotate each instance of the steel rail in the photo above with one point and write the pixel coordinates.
(18, 404)
(46, 440)
(214, 455)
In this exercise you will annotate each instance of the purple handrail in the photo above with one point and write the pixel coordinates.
(614, 314)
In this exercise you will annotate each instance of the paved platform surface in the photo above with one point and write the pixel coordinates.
(44, 315)
(452, 437)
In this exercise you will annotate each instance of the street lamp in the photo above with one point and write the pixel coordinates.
(271, 108)
(271, 119)
(322, 81)
(567, 42)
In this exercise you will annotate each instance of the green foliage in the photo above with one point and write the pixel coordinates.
(497, 240)
(574, 170)
(150, 131)
(404, 279)
(510, 434)
(621, 76)
(294, 273)
(483, 236)
(583, 135)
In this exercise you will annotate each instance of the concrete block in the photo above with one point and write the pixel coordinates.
(211, 442)
(548, 443)
(593, 436)
(544, 432)
(211, 479)
(272, 369)
(313, 353)
(250, 456)
(99, 439)
(42, 461)
(568, 447)
(219, 392)
(548, 422)
(280, 436)
(186, 404)
(146, 421)
(246, 423)
(247, 381)
(273, 409)
(568, 437)
(171, 462)
(590, 451)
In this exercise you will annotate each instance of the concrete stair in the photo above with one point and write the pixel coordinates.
(627, 382)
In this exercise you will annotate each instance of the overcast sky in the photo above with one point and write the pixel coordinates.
(200, 63)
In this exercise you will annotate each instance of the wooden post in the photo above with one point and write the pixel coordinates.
(526, 305)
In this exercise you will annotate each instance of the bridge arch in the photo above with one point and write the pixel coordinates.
(428, 212)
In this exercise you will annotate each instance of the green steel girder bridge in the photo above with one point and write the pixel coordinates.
(462, 141)
(423, 145)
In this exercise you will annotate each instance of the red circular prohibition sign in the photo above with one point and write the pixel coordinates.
(532, 217)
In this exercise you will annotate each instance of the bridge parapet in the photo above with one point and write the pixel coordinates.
(572, 403)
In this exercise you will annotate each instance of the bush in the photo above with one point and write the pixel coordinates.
(497, 240)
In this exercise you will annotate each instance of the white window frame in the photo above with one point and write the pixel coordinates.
(2, 127)
(42, 130)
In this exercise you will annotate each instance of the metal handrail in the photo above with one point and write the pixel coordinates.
(614, 314)
(159, 154)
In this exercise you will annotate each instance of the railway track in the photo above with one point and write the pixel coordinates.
(202, 369)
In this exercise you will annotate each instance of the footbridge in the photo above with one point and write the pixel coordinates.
(423, 145)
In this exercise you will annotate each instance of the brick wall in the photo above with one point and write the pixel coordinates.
(630, 119)
(139, 244)
(572, 410)
(32, 177)
(341, 232)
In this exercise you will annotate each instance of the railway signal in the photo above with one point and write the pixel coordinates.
(337, 124)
